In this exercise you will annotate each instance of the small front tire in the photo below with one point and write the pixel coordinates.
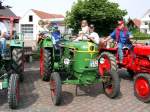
(13, 91)
(112, 84)
(142, 87)
(55, 88)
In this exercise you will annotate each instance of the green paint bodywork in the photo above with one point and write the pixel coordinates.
(46, 43)
(5, 83)
(4, 77)
(17, 41)
(82, 58)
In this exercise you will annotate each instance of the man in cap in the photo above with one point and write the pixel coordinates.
(122, 37)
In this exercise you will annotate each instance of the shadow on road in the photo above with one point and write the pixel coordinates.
(27, 96)
(124, 74)
(91, 90)
(67, 98)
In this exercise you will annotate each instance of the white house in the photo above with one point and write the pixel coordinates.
(28, 24)
(145, 23)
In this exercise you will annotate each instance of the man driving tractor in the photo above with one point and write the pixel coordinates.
(122, 36)
(3, 36)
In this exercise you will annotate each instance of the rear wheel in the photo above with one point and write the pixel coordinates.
(55, 88)
(13, 91)
(111, 84)
(45, 63)
(18, 62)
(142, 87)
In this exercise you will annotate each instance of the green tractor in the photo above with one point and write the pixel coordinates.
(12, 68)
(74, 63)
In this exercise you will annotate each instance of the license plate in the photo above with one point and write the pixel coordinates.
(94, 63)
(1, 85)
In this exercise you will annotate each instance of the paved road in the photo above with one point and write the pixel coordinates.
(35, 97)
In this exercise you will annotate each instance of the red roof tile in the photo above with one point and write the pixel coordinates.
(137, 22)
(45, 15)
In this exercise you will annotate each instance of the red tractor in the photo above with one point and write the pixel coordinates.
(137, 63)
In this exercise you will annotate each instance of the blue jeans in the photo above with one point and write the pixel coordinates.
(120, 50)
(3, 45)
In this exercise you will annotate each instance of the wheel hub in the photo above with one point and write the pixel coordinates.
(142, 87)
(53, 88)
(104, 65)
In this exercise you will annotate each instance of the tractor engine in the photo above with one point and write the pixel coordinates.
(80, 58)
(142, 60)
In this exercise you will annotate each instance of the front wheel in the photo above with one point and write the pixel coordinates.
(55, 88)
(111, 84)
(13, 91)
(142, 87)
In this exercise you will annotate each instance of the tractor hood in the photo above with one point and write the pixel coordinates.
(81, 46)
(140, 49)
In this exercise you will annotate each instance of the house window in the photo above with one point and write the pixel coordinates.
(146, 23)
(145, 31)
(27, 30)
(30, 18)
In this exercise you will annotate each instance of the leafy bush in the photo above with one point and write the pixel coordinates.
(139, 35)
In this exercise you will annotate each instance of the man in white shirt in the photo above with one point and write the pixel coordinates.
(3, 35)
(94, 37)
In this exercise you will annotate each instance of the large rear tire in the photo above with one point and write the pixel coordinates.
(111, 85)
(45, 63)
(18, 62)
(13, 91)
(55, 88)
(142, 87)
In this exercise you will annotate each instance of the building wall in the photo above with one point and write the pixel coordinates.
(145, 25)
(24, 22)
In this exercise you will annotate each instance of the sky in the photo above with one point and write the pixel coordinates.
(135, 8)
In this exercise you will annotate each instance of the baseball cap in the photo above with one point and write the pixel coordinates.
(92, 26)
(120, 22)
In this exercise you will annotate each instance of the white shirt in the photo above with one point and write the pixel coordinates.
(95, 37)
(85, 30)
(3, 28)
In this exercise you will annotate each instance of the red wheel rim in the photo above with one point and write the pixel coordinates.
(41, 62)
(53, 88)
(142, 87)
(109, 89)
(105, 65)
(17, 91)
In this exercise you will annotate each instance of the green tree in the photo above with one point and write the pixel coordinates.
(102, 13)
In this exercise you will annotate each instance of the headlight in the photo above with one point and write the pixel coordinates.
(66, 61)
(102, 60)
(149, 57)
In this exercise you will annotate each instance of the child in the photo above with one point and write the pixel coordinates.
(83, 34)
(94, 37)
